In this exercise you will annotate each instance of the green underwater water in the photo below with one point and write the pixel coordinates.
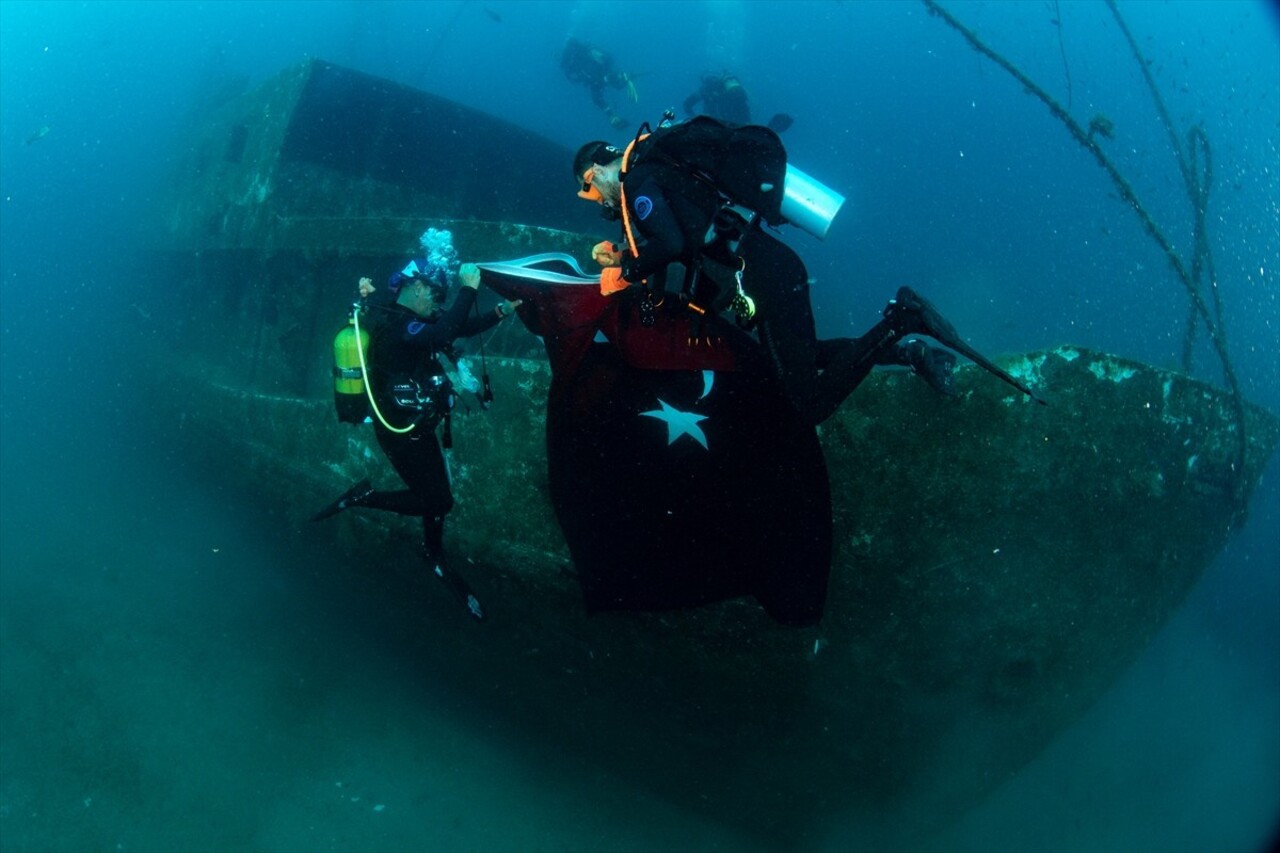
(183, 669)
(181, 674)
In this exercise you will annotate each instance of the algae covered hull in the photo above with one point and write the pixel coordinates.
(997, 563)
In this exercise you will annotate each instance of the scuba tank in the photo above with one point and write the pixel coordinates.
(809, 204)
(747, 165)
(350, 347)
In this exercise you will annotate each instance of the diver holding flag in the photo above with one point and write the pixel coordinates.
(409, 393)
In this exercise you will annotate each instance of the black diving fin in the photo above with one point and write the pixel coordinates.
(911, 313)
(459, 589)
(353, 496)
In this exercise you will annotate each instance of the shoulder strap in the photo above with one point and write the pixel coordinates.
(626, 211)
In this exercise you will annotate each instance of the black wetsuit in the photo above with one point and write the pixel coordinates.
(404, 349)
(672, 214)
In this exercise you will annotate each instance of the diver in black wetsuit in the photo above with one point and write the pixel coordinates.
(592, 67)
(413, 394)
(672, 215)
(723, 97)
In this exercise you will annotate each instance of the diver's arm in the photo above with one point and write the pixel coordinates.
(439, 334)
(661, 240)
(474, 325)
(455, 319)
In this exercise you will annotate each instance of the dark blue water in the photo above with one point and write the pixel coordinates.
(177, 672)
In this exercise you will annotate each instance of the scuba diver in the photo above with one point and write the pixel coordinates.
(723, 97)
(592, 67)
(412, 395)
(674, 190)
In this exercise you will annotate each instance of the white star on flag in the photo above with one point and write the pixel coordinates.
(679, 423)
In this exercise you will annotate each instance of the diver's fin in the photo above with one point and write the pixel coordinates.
(458, 588)
(351, 497)
(911, 314)
(780, 122)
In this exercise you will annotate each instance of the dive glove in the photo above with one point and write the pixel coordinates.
(606, 254)
(611, 281)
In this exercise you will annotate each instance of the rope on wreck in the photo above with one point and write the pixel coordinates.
(1198, 188)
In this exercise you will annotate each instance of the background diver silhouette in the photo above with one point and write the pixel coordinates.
(723, 97)
(592, 67)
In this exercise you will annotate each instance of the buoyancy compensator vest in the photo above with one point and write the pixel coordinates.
(747, 165)
(432, 398)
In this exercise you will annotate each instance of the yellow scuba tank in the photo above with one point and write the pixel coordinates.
(349, 347)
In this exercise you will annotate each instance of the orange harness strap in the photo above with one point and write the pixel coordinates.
(626, 216)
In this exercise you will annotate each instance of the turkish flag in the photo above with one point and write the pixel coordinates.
(679, 473)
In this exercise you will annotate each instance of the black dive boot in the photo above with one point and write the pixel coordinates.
(933, 364)
(909, 313)
(351, 497)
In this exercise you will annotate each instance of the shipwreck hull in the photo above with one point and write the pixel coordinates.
(997, 563)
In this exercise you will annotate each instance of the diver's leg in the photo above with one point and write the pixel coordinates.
(437, 499)
(882, 345)
(830, 349)
(419, 461)
(362, 494)
(845, 362)
(428, 478)
(426, 471)
(416, 458)
(401, 451)
(776, 279)
(354, 496)
(433, 538)
(400, 501)
(816, 376)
